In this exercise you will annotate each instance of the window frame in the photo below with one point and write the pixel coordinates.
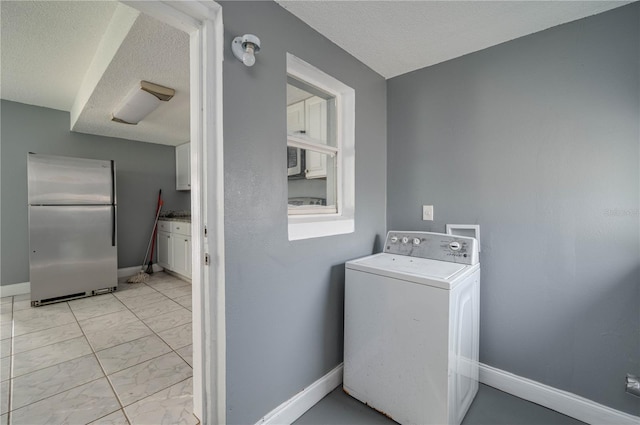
(312, 224)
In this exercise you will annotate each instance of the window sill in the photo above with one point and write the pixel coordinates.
(308, 227)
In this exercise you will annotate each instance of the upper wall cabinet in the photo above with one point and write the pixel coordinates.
(183, 167)
(309, 117)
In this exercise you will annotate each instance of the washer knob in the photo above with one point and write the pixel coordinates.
(416, 241)
(455, 246)
(405, 240)
(394, 239)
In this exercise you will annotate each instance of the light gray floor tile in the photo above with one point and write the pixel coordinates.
(46, 337)
(143, 301)
(169, 320)
(155, 309)
(119, 334)
(140, 381)
(95, 306)
(173, 405)
(177, 337)
(5, 308)
(79, 405)
(50, 355)
(21, 305)
(108, 321)
(4, 396)
(131, 353)
(5, 330)
(5, 368)
(184, 301)
(170, 284)
(187, 354)
(39, 318)
(5, 348)
(180, 291)
(133, 290)
(116, 418)
(6, 317)
(38, 385)
(4, 419)
(22, 297)
(5, 300)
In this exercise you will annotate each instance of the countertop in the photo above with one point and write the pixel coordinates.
(181, 219)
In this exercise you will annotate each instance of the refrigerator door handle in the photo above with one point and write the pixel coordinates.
(113, 225)
(113, 182)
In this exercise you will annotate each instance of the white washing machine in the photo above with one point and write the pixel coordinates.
(411, 328)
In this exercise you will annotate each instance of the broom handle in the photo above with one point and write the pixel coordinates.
(155, 223)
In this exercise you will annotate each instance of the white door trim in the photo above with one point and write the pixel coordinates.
(202, 20)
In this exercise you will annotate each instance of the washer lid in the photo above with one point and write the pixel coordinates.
(419, 270)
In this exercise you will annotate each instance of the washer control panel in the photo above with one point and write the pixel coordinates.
(434, 246)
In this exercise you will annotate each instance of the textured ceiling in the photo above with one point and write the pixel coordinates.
(85, 56)
(47, 47)
(396, 37)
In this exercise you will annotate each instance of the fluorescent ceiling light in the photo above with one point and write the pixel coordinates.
(141, 101)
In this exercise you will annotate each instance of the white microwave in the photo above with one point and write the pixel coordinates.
(295, 159)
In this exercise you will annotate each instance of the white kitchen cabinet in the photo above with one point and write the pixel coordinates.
(174, 246)
(309, 117)
(183, 167)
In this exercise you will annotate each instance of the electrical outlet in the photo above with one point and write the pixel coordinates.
(427, 212)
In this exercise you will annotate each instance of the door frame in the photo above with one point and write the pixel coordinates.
(202, 20)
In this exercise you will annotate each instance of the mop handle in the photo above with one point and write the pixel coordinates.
(155, 223)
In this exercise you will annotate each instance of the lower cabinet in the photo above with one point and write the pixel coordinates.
(174, 247)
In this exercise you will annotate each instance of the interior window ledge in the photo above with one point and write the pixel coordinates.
(302, 228)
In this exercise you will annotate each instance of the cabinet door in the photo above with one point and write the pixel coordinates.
(295, 118)
(183, 167)
(165, 250)
(316, 128)
(182, 254)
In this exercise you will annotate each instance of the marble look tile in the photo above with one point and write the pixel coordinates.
(180, 291)
(38, 385)
(131, 353)
(133, 290)
(144, 300)
(96, 306)
(21, 305)
(6, 308)
(169, 320)
(78, 405)
(5, 348)
(177, 337)
(160, 277)
(140, 381)
(155, 309)
(184, 301)
(116, 418)
(5, 368)
(125, 332)
(108, 321)
(4, 397)
(4, 419)
(49, 355)
(173, 405)
(22, 297)
(5, 330)
(187, 354)
(39, 318)
(6, 317)
(46, 337)
(5, 300)
(170, 284)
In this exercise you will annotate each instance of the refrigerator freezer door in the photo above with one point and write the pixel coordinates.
(71, 250)
(56, 180)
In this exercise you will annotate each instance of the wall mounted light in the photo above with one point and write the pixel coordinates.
(244, 48)
(140, 102)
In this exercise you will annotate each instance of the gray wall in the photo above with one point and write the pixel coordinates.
(141, 169)
(537, 140)
(285, 299)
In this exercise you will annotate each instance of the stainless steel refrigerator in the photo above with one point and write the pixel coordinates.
(72, 227)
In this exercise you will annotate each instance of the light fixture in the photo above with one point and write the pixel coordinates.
(141, 101)
(245, 47)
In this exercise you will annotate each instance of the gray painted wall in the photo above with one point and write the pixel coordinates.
(537, 140)
(141, 169)
(285, 299)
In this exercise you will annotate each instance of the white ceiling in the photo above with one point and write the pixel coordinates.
(85, 56)
(396, 37)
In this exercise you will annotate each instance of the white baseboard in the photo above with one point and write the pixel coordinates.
(130, 271)
(561, 401)
(292, 409)
(15, 289)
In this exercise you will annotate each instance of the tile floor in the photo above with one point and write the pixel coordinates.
(121, 358)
